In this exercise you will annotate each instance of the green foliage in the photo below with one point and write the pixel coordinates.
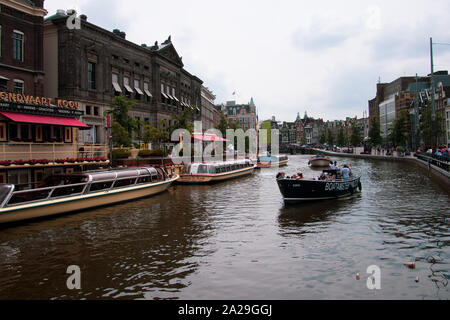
(122, 124)
(266, 125)
(341, 138)
(152, 153)
(355, 136)
(323, 138)
(120, 154)
(330, 137)
(182, 120)
(426, 126)
(222, 126)
(400, 130)
(120, 135)
(375, 132)
(154, 135)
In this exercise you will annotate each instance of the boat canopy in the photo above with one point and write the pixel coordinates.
(218, 167)
(272, 158)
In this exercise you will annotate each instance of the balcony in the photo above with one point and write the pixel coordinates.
(50, 151)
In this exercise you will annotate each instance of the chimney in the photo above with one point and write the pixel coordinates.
(122, 34)
(60, 12)
(116, 32)
(83, 17)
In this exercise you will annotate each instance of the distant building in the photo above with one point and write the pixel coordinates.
(243, 114)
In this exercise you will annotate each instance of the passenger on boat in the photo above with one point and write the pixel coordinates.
(299, 176)
(345, 172)
(334, 166)
(280, 175)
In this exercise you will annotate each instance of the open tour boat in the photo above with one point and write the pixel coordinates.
(330, 185)
(216, 171)
(272, 161)
(64, 193)
(319, 161)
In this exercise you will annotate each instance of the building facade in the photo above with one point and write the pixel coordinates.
(94, 65)
(21, 52)
(210, 115)
(38, 133)
(243, 114)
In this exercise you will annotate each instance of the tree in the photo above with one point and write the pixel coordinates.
(323, 138)
(374, 131)
(341, 138)
(120, 135)
(122, 125)
(222, 126)
(400, 132)
(330, 138)
(182, 120)
(355, 136)
(426, 126)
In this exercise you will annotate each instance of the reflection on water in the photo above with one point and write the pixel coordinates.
(238, 240)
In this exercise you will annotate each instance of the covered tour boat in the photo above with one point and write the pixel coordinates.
(272, 161)
(216, 171)
(330, 185)
(319, 160)
(64, 193)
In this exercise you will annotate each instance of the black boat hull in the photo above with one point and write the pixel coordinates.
(309, 190)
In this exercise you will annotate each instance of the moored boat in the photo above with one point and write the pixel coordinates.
(63, 193)
(319, 161)
(330, 185)
(216, 171)
(272, 161)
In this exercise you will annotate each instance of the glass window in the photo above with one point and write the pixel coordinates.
(18, 86)
(88, 109)
(91, 75)
(18, 39)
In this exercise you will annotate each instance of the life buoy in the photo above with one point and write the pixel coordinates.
(359, 186)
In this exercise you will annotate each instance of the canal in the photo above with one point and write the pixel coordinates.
(238, 240)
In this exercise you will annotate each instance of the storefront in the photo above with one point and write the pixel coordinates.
(39, 136)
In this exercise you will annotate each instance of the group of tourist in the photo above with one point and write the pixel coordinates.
(345, 172)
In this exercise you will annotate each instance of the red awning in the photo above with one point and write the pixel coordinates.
(31, 118)
(208, 138)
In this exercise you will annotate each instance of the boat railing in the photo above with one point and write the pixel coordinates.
(46, 193)
(59, 191)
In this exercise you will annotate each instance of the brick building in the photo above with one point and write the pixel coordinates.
(21, 52)
(94, 65)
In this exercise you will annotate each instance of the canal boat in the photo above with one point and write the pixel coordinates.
(319, 161)
(272, 161)
(330, 185)
(63, 193)
(216, 171)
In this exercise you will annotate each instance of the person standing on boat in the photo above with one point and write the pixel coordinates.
(345, 172)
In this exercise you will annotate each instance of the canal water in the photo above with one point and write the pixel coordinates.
(238, 240)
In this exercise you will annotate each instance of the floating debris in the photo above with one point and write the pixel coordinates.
(411, 265)
(358, 276)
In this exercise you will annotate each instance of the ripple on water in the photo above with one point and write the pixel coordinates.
(238, 240)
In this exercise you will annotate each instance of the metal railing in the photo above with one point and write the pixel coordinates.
(442, 162)
(50, 151)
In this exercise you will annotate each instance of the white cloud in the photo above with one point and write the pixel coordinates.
(290, 56)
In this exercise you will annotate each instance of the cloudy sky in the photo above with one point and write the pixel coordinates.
(324, 57)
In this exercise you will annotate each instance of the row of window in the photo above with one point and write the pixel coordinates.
(18, 44)
(16, 132)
